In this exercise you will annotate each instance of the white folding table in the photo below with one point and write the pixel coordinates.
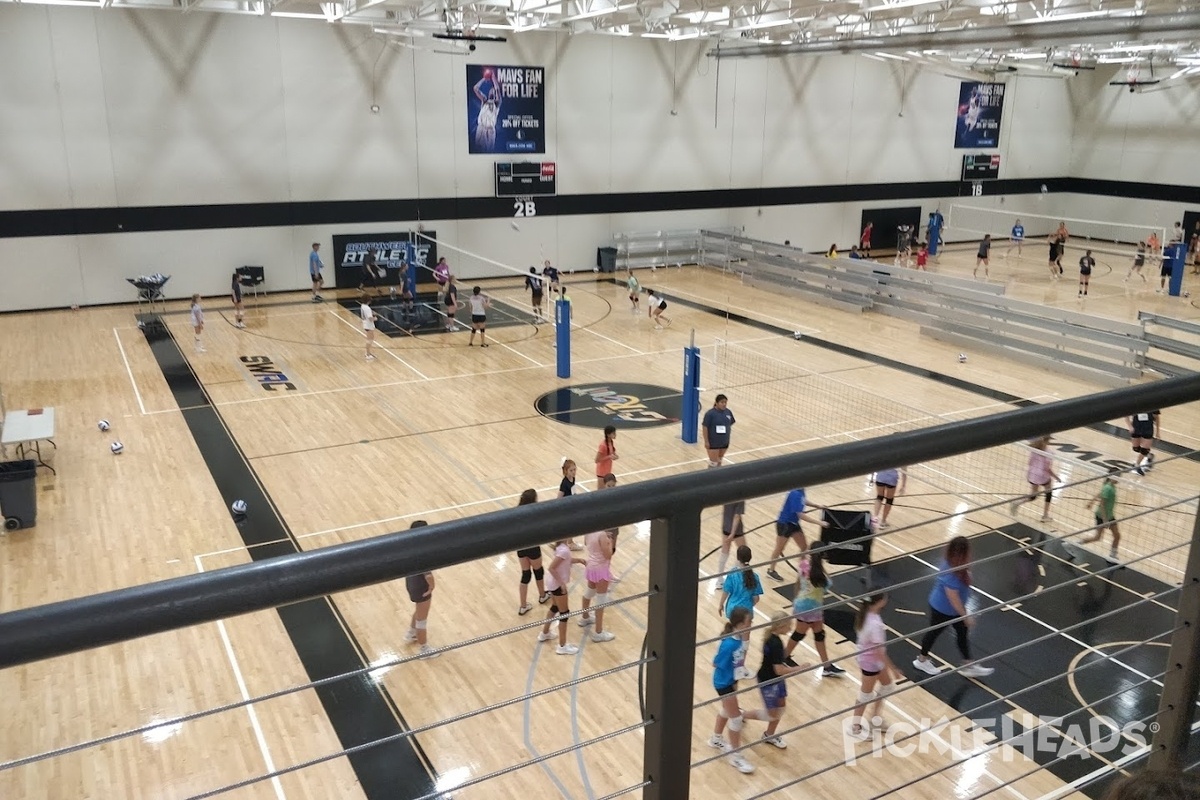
(27, 428)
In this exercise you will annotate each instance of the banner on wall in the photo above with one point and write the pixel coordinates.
(506, 109)
(979, 108)
(398, 257)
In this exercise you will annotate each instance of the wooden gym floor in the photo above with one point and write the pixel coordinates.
(435, 430)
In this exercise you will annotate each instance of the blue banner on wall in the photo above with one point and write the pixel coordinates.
(979, 108)
(506, 109)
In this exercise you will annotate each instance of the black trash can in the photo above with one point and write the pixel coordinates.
(606, 259)
(18, 494)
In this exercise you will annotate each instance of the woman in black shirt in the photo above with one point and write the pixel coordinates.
(771, 675)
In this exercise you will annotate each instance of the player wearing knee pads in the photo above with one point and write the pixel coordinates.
(530, 559)
(873, 661)
(420, 592)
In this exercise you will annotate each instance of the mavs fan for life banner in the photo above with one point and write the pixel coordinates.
(397, 257)
(979, 108)
(506, 109)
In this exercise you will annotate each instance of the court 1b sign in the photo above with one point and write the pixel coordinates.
(622, 405)
(506, 109)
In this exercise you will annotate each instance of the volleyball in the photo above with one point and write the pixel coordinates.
(1044, 190)
(117, 448)
(103, 425)
(962, 358)
(515, 226)
(239, 507)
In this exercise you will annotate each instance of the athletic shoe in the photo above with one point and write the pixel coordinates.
(545, 598)
(883, 526)
(241, 325)
(791, 662)
(566, 650)
(776, 740)
(740, 764)
(427, 652)
(585, 621)
(1112, 559)
(717, 741)
(833, 671)
(1138, 469)
(773, 575)
(1047, 518)
(859, 732)
(1149, 460)
(525, 609)
(975, 671)
(926, 666)
(603, 636)
(370, 358)
(547, 636)
(410, 635)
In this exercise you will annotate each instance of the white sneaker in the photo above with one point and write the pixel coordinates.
(926, 666)
(410, 635)
(585, 621)
(603, 636)
(860, 732)
(370, 358)
(1047, 519)
(717, 741)
(975, 671)
(427, 652)
(545, 637)
(776, 740)
(566, 650)
(740, 764)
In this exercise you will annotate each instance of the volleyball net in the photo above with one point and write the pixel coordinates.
(967, 222)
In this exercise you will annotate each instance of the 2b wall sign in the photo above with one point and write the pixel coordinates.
(506, 109)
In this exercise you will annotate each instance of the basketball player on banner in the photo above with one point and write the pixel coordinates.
(487, 91)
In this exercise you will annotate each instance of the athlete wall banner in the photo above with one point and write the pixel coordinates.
(385, 259)
(506, 109)
(979, 108)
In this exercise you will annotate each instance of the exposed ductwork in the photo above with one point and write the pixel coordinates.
(1030, 34)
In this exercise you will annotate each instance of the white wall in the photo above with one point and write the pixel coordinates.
(120, 108)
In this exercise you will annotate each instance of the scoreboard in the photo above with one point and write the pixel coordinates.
(525, 179)
(981, 167)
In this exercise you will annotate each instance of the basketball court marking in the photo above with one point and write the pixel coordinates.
(268, 762)
(363, 334)
(757, 312)
(125, 360)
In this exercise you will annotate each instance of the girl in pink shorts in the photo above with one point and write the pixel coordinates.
(599, 547)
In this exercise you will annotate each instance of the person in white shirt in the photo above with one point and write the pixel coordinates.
(197, 321)
(656, 305)
(479, 304)
(368, 322)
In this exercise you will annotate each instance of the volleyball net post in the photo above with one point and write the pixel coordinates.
(691, 392)
(562, 334)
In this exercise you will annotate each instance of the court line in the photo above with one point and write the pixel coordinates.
(795, 325)
(388, 384)
(250, 711)
(129, 372)
(363, 334)
(528, 705)
(583, 772)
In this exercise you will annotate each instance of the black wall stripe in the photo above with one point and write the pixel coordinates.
(359, 710)
(78, 221)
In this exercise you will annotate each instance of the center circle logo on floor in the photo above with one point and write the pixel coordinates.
(623, 405)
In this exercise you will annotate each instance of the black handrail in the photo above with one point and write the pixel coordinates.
(73, 625)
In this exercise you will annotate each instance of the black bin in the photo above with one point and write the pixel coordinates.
(18, 494)
(606, 259)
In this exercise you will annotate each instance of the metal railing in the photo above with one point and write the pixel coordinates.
(674, 504)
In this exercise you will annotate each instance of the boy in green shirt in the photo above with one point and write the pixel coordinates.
(1104, 507)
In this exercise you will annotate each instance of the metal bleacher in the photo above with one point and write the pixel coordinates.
(967, 313)
(1175, 355)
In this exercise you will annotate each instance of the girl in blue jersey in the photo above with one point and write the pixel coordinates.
(948, 605)
(730, 652)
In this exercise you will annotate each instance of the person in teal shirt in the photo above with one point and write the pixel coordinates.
(1104, 507)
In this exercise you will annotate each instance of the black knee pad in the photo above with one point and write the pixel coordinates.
(539, 573)
(819, 636)
(880, 498)
(798, 637)
(526, 575)
(889, 500)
